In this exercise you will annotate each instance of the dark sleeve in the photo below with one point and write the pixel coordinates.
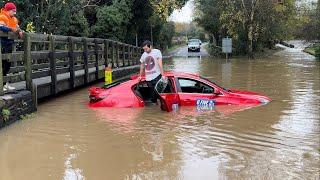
(4, 29)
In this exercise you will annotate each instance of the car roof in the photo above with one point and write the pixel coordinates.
(194, 40)
(182, 74)
(175, 74)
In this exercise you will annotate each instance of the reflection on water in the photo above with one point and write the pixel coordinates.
(71, 173)
(280, 140)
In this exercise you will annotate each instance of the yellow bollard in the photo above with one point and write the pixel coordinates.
(107, 76)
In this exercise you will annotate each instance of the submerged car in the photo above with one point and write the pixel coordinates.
(194, 45)
(181, 89)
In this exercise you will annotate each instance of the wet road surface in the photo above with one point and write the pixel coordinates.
(183, 52)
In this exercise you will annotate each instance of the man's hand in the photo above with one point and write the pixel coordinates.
(164, 79)
(20, 34)
(139, 78)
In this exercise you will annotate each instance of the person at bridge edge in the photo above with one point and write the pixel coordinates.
(8, 22)
(151, 66)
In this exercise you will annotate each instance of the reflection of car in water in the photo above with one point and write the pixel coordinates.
(183, 89)
(194, 45)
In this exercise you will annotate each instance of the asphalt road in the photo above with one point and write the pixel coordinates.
(183, 51)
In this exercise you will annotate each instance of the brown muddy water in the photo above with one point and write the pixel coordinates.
(281, 140)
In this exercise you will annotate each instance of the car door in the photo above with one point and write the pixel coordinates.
(194, 92)
(168, 96)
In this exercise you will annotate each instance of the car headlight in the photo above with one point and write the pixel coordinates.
(263, 101)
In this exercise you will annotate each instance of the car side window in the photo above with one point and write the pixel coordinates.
(169, 88)
(194, 86)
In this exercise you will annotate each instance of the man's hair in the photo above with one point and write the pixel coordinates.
(147, 43)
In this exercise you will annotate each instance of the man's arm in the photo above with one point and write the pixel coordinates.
(159, 58)
(3, 26)
(161, 66)
(141, 71)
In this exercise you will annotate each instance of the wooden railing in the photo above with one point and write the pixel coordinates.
(42, 55)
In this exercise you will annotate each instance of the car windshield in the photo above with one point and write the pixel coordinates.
(193, 43)
(194, 40)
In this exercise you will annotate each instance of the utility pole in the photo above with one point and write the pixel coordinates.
(136, 39)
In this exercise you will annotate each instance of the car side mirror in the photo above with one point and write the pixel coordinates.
(216, 92)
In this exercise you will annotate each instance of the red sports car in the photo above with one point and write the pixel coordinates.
(181, 89)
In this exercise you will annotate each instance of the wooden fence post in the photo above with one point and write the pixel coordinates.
(85, 60)
(96, 54)
(118, 53)
(112, 53)
(123, 55)
(106, 53)
(14, 49)
(53, 66)
(71, 62)
(34, 94)
(27, 61)
(130, 56)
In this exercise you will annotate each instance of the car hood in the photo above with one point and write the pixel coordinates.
(249, 95)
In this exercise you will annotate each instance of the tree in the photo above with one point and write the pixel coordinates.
(253, 24)
(129, 21)
(308, 22)
(166, 34)
(112, 21)
(208, 13)
(56, 17)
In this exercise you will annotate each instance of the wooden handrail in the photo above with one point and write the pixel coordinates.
(38, 53)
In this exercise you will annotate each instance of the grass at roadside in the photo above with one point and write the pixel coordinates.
(171, 49)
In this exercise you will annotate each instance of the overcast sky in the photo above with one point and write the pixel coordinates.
(184, 14)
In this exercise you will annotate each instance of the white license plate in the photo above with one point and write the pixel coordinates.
(205, 103)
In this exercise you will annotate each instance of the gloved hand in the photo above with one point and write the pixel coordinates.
(164, 79)
(15, 30)
(20, 34)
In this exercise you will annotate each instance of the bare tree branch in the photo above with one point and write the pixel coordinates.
(91, 3)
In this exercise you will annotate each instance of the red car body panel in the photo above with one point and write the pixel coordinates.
(117, 96)
(123, 94)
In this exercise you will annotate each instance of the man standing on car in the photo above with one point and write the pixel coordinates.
(151, 66)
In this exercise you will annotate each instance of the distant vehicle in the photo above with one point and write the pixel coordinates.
(194, 45)
(183, 89)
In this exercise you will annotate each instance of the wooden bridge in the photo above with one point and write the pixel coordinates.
(50, 64)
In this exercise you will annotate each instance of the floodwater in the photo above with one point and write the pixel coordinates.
(281, 140)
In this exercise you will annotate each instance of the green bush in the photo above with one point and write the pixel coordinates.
(6, 114)
(215, 50)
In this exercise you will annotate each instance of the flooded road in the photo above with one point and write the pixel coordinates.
(281, 140)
